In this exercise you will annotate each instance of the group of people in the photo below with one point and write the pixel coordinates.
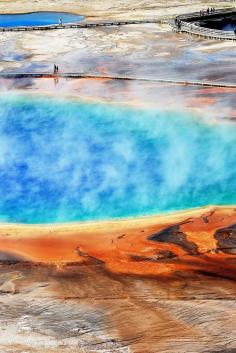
(178, 23)
(207, 11)
(56, 69)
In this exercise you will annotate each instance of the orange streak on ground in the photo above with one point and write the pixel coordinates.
(199, 101)
(124, 246)
(216, 90)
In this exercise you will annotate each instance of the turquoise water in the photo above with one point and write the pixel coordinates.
(42, 18)
(63, 161)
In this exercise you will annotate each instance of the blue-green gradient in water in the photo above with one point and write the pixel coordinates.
(63, 161)
(41, 18)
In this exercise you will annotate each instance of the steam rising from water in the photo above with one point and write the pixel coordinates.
(64, 161)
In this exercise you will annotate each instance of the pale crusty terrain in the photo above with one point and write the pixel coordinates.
(83, 308)
(101, 9)
(157, 284)
(147, 50)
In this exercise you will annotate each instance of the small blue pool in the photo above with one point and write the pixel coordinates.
(43, 18)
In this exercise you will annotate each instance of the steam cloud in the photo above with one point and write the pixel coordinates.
(66, 161)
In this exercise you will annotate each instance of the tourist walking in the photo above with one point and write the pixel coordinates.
(56, 69)
(179, 25)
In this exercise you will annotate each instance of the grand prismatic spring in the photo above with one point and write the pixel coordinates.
(117, 177)
(113, 162)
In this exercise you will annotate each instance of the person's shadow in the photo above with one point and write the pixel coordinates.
(56, 80)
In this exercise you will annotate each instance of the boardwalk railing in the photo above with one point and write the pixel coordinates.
(196, 15)
(207, 32)
(189, 25)
(78, 25)
(20, 75)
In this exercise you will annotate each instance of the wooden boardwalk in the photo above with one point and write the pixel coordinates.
(79, 25)
(20, 75)
(189, 25)
(194, 16)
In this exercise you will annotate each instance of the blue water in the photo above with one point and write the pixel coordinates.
(64, 161)
(37, 19)
(229, 27)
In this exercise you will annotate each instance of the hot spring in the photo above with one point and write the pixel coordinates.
(63, 161)
(220, 22)
(41, 18)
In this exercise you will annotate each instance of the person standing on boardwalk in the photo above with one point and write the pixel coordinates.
(56, 69)
(179, 25)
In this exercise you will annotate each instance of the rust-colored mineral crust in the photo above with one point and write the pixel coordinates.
(146, 285)
(198, 240)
